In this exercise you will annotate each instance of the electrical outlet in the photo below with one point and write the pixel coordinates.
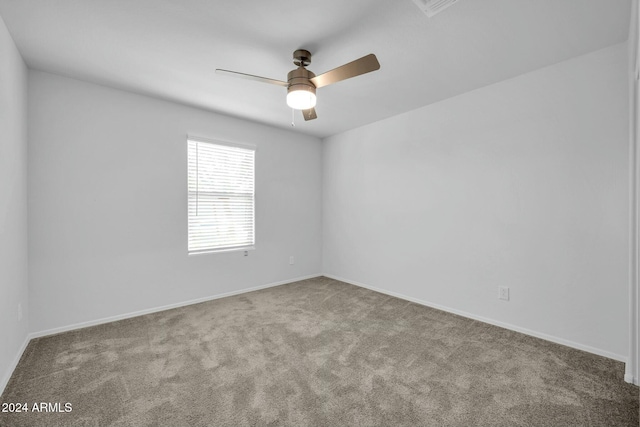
(291, 260)
(246, 253)
(503, 293)
(19, 312)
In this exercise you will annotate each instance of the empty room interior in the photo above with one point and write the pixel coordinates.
(334, 213)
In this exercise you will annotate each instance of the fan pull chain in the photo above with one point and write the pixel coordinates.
(293, 117)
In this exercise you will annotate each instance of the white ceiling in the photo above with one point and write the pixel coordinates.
(170, 48)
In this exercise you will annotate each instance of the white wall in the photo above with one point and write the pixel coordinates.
(108, 204)
(13, 204)
(520, 184)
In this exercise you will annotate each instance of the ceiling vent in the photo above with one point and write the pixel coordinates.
(433, 7)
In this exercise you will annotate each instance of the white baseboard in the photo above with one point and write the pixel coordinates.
(12, 367)
(630, 379)
(547, 337)
(509, 326)
(81, 325)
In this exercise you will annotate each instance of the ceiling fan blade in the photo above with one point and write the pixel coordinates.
(252, 77)
(309, 114)
(364, 65)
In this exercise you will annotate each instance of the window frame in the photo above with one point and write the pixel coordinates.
(223, 143)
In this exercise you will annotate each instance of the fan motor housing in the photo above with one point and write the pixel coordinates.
(299, 79)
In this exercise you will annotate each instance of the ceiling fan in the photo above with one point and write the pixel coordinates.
(301, 83)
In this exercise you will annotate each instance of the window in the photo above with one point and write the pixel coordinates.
(221, 196)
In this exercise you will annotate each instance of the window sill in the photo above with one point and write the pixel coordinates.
(224, 250)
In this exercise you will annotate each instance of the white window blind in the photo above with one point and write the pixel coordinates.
(221, 197)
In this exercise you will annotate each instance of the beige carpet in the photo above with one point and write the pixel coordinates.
(317, 352)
